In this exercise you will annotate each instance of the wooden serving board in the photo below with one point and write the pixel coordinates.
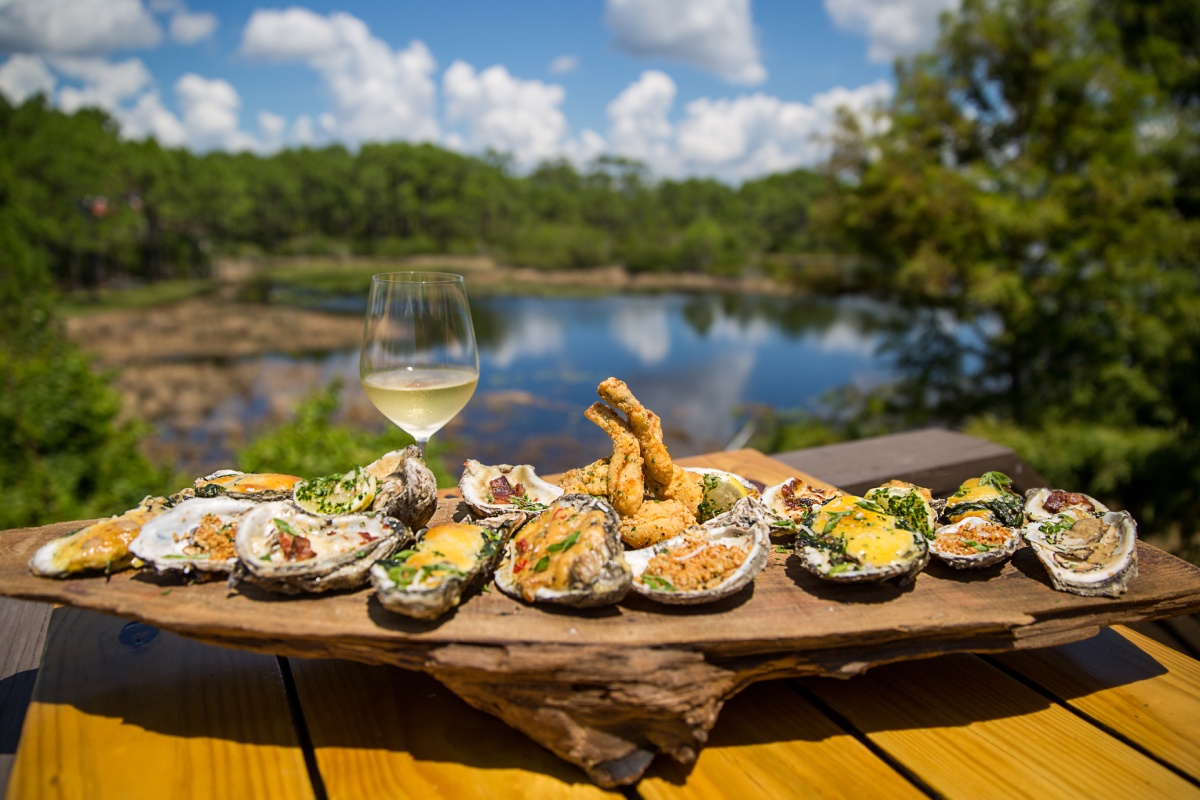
(609, 688)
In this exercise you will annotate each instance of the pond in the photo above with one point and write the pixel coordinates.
(701, 361)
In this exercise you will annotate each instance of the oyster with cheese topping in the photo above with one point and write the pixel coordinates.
(1095, 556)
(987, 496)
(794, 502)
(263, 487)
(502, 488)
(706, 562)
(195, 536)
(853, 539)
(429, 578)
(913, 505)
(100, 547)
(570, 553)
(285, 549)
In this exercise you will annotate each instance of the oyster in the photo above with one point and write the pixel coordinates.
(570, 554)
(260, 486)
(491, 490)
(337, 494)
(987, 496)
(854, 539)
(1045, 503)
(720, 491)
(103, 545)
(285, 549)
(196, 535)
(974, 542)
(407, 487)
(794, 502)
(911, 504)
(706, 562)
(448, 560)
(1093, 557)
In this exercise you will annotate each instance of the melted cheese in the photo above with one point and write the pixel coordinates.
(453, 543)
(973, 492)
(543, 556)
(872, 538)
(252, 482)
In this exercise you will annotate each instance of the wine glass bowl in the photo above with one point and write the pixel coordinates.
(419, 363)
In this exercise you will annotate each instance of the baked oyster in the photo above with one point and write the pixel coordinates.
(794, 502)
(285, 549)
(263, 487)
(499, 489)
(987, 496)
(720, 491)
(407, 488)
(429, 578)
(974, 542)
(100, 547)
(706, 562)
(1095, 556)
(1045, 503)
(195, 536)
(913, 505)
(570, 553)
(329, 495)
(853, 539)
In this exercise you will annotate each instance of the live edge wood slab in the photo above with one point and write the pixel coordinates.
(608, 689)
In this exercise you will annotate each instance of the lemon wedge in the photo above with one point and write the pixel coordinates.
(337, 494)
(721, 491)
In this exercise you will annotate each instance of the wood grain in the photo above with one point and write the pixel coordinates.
(1148, 693)
(608, 688)
(383, 732)
(23, 631)
(131, 712)
(965, 729)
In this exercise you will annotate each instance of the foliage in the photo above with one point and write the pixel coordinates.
(1028, 206)
(312, 444)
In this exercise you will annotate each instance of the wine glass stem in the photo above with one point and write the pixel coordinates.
(422, 442)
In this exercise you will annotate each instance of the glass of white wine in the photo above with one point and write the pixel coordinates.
(419, 363)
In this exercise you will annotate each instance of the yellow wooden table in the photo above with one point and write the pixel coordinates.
(94, 706)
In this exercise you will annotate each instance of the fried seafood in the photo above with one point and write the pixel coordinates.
(592, 479)
(646, 426)
(654, 522)
(626, 483)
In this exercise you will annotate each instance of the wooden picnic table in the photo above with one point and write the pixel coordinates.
(93, 705)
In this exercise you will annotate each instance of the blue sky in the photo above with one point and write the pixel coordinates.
(724, 88)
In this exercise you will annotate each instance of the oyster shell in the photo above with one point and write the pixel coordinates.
(1045, 503)
(194, 536)
(703, 564)
(448, 560)
(261, 486)
(492, 490)
(101, 546)
(285, 549)
(853, 539)
(794, 502)
(911, 504)
(987, 496)
(974, 542)
(570, 554)
(407, 487)
(1093, 557)
(721, 491)
(349, 493)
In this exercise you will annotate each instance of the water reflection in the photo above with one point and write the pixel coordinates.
(698, 360)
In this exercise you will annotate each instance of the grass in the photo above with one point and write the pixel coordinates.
(79, 303)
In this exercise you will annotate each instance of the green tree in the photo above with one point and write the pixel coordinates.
(1024, 207)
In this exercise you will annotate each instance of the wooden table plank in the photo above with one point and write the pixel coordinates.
(384, 732)
(128, 711)
(23, 632)
(771, 742)
(1144, 691)
(965, 729)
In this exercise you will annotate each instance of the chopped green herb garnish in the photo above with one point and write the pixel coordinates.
(284, 526)
(565, 544)
(657, 584)
(542, 565)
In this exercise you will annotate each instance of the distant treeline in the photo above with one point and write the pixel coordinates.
(107, 209)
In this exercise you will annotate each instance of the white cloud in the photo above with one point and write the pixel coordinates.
(302, 129)
(712, 35)
(378, 94)
(106, 84)
(189, 28)
(23, 76)
(210, 114)
(76, 27)
(272, 124)
(149, 117)
(893, 28)
(521, 117)
(564, 64)
(639, 123)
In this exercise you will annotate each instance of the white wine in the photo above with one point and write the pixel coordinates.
(421, 399)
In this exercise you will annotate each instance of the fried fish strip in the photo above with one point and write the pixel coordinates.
(592, 479)
(626, 484)
(654, 522)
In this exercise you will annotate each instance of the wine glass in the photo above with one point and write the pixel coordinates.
(419, 364)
